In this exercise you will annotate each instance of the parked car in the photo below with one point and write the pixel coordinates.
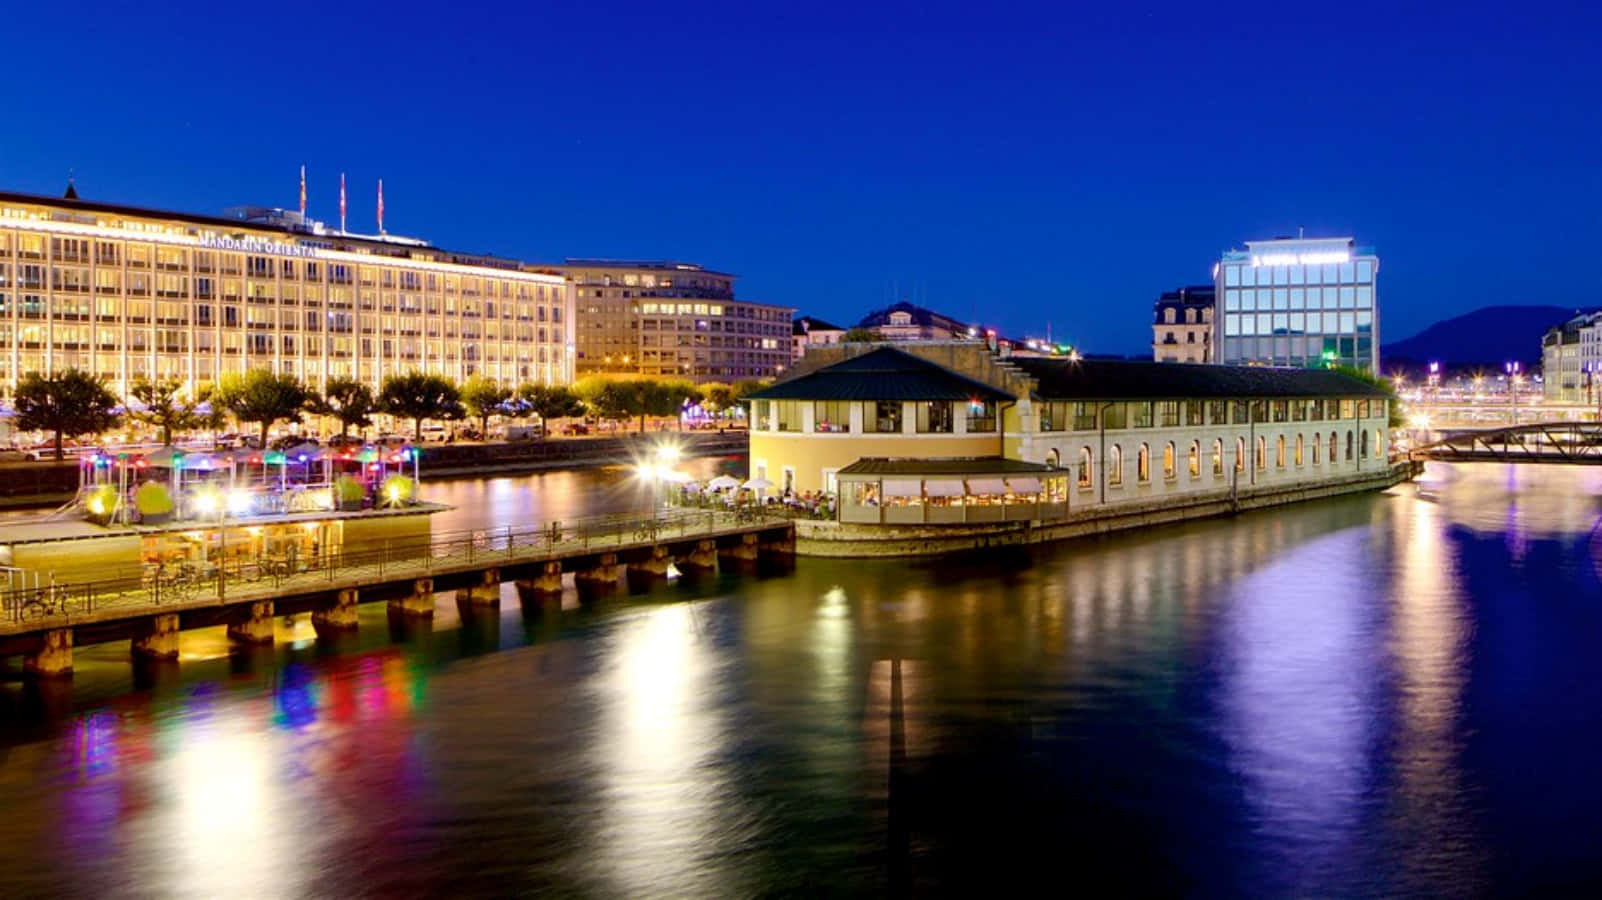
(576, 428)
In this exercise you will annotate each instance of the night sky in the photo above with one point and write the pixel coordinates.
(1017, 164)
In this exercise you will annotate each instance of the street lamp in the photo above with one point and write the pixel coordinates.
(1513, 378)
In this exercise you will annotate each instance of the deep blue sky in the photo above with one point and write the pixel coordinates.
(1023, 164)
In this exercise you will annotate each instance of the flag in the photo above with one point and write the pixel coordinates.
(380, 206)
(342, 201)
(303, 190)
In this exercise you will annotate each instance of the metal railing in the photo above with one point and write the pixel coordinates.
(189, 584)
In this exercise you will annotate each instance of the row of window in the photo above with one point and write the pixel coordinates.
(1357, 446)
(1360, 272)
(1064, 415)
(1269, 300)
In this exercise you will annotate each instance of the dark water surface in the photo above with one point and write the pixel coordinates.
(1380, 695)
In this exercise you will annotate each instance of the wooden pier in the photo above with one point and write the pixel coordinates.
(151, 607)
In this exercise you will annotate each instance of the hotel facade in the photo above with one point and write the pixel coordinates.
(127, 292)
(1306, 302)
(661, 318)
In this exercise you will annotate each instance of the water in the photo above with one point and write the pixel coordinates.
(1388, 694)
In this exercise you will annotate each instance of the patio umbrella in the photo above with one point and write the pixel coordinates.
(757, 484)
(165, 458)
(304, 452)
(723, 483)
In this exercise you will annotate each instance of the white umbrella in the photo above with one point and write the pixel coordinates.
(692, 487)
(757, 484)
(723, 483)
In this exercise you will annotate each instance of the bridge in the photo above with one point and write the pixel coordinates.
(150, 607)
(1543, 442)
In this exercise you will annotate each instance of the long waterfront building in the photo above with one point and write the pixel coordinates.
(658, 317)
(129, 292)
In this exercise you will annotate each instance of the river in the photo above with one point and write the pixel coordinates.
(1388, 694)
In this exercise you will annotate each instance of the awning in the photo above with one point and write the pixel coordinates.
(1024, 485)
(943, 488)
(986, 486)
(903, 488)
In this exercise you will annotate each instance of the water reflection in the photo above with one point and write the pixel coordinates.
(1365, 693)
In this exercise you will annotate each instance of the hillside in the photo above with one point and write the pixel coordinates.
(1488, 336)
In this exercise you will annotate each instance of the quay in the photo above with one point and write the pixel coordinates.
(44, 623)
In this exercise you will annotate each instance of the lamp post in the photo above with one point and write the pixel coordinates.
(1513, 378)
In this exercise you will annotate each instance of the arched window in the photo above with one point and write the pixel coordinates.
(1240, 454)
(1334, 449)
(1379, 442)
(1195, 459)
(1279, 452)
(1115, 466)
(1298, 450)
(1262, 452)
(1170, 461)
(1364, 445)
(1053, 458)
(1143, 464)
(1190, 317)
(1348, 446)
(1317, 445)
(1084, 467)
(1218, 456)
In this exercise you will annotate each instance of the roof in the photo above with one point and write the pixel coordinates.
(1061, 379)
(882, 374)
(966, 465)
(806, 324)
(920, 316)
(655, 265)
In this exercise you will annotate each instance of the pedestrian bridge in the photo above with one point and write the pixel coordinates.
(1574, 443)
(44, 623)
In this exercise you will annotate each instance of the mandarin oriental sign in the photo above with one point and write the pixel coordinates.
(256, 245)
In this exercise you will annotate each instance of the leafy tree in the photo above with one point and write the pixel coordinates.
(481, 398)
(626, 398)
(550, 401)
(718, 396)
(860, 335)
(69, 403)
(418, 396)
(262, 397)
(163, 406)
(346, 399)
(208, 412)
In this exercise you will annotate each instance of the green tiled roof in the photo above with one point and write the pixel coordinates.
(1063, 379)
(882, 374)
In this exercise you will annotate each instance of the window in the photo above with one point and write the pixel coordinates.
(883, 416)
(1170, 462)
(1364, 445)
(1168, 413)
(1334, 449)
(1262, 452)
(1298, 450)
(981, 416)
(831, 416)
(1115, 466)
(788, 414)
(1217, 412)
(1280, 410)
(1193, 412)
(934, 417)
(1348, 446)
(1113, 416)
(1143, 464)
(1084, 416)
(1218, 456)
(1084, 467)
(1240, 454)
(1141, 414)
(1053, 415)
(1316, 445)
(1279, 452)
(1240, 412)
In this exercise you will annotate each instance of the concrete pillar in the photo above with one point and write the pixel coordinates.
(703, 558)
(655, 566)
(258, 629)
(156, 637)
(420, 602)
(745, 550)
(341, 615)
(547, 583)
(487, 592)
(778, 547)
(604, 572)
(54, 656)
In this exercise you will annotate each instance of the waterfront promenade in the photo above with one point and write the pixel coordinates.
(150, 606)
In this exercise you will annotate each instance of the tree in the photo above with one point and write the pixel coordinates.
(346, 399)
(418, 396)
(550, 402)
(481, 398)
(162, 404)
(69, 403)
(860, 335)
(261, 397)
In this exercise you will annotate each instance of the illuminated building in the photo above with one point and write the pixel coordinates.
(128, 292)
(807, 331)
(640, 317)
(906, 321)
(1571, 359)
(1298, 302)
(1183, 328)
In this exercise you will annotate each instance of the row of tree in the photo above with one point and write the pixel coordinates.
(74, 402)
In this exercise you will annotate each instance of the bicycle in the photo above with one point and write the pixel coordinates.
(41, 603)
(177, 584)
(647, 531)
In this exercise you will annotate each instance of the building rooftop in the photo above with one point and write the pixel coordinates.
(965, 465)
(882, 374)
(808, 323)
(656, 265)
(1092, 379)
(920, 316)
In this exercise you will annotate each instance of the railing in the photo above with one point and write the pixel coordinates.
(185, 584)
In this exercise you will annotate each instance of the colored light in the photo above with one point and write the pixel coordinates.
(239, 502)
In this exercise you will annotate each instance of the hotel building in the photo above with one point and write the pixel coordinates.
(1298, 302)
(1571, 359)
(1183, 329)
(642, 317)
(128, 292)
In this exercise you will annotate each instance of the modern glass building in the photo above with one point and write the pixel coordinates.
(1298, 302)
(128, 292)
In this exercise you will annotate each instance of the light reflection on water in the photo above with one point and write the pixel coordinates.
(1384, 694)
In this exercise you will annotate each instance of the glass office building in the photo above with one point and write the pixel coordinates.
(1298, 302)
